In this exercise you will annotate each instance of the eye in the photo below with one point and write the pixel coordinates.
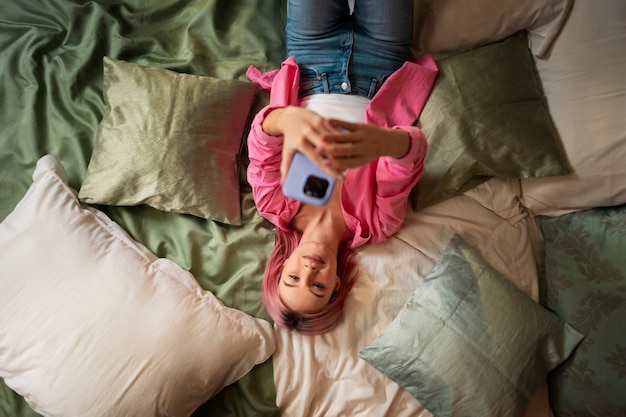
(294, 277)
(318, 286)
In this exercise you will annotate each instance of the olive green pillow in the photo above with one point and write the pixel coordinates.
(470, 343)
(169, 140)
(486, 116)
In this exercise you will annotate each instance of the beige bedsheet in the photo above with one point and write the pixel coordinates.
(584, 79)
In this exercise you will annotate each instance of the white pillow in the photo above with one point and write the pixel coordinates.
(584, 80)
(444, 26)
(94, 324)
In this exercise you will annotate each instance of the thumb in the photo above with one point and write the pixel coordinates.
(285, 163)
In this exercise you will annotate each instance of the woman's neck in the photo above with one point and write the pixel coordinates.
(322, 226)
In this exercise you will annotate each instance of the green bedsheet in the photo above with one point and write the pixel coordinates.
(51, 103)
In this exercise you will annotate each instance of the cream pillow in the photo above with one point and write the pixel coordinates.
(93, 324)
(443, 26)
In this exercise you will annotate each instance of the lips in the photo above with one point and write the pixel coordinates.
(314, 258)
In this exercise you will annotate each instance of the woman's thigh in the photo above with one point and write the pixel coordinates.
(316, 27)
(383, 31)
(320, 37)
(389, 22)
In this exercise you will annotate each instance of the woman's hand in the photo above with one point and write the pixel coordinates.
(349, 145)
(304, 131)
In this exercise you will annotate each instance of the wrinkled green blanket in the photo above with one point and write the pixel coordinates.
(51, 102)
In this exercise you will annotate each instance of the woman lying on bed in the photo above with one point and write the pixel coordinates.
(351, 67)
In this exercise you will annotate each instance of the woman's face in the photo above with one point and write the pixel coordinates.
(309, 278)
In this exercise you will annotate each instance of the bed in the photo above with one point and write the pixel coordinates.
(131, 253)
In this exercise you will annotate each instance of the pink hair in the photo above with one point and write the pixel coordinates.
(308, 324)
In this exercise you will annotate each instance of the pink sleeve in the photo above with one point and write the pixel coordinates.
(265, 154)
(375, 196)
(265, 151)
(396, 178)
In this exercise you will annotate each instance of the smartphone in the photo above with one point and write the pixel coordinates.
(306, 182)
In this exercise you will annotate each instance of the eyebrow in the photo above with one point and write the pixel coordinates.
(293, 286)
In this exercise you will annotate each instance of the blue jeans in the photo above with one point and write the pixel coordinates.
(342, 53)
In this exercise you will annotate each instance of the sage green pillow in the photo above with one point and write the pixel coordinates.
(486, 116)
(585, 284)
(468, 342)
(169, 140)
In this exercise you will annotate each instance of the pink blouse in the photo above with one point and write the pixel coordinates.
(374, 197)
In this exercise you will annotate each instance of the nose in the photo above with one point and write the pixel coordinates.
(311, 265)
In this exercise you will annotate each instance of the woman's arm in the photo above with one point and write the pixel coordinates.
(359, 144)
(263, 173)
(397, 176)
